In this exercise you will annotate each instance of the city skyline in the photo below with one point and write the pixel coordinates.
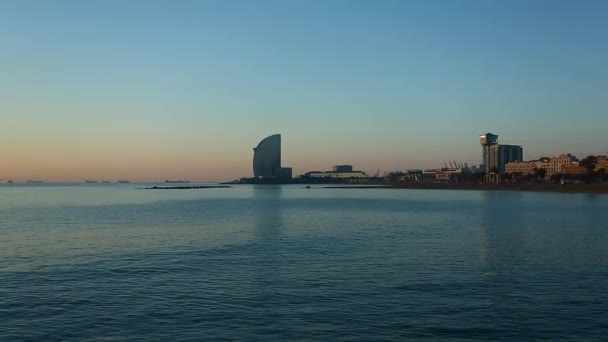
(146, 92)
(277, 137)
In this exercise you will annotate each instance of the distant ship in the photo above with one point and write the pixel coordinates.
(90, 181)
(123, 181)
(177, 181)
(6, 181)
(34, 181)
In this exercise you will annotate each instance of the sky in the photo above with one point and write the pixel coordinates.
(154, 90)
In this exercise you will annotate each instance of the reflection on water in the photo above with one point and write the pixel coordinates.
(541, 252)
(499, 212)
(268, 217)
(268, 266)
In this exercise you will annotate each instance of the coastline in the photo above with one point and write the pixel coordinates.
(188, 187)
(569, 188)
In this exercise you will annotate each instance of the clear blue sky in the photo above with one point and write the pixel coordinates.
(168, 89)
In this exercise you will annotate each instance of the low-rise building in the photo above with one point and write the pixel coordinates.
(572, 169)
(551, 165)
(450, 174)
(339, 171)
(525, 168)
(555, 164)
(404, 177)
(343, 168)
(443, 177)
(543, 163)
(331, 174)
(283, 172)
(412, 175)
(602, 163)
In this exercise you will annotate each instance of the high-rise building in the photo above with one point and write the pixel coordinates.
(487, 140)
(496, 155)
(500, 155)
(267, 159)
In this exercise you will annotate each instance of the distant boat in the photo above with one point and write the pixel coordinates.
(34, 181)
(90, 181)
(123, 181)
(177, 181)
(6, 181)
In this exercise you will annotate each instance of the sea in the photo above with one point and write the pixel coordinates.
(117, 262)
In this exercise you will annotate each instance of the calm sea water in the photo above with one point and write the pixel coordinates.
(277, 263)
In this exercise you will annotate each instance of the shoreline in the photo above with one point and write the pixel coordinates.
(188, 187)
(569, 188)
